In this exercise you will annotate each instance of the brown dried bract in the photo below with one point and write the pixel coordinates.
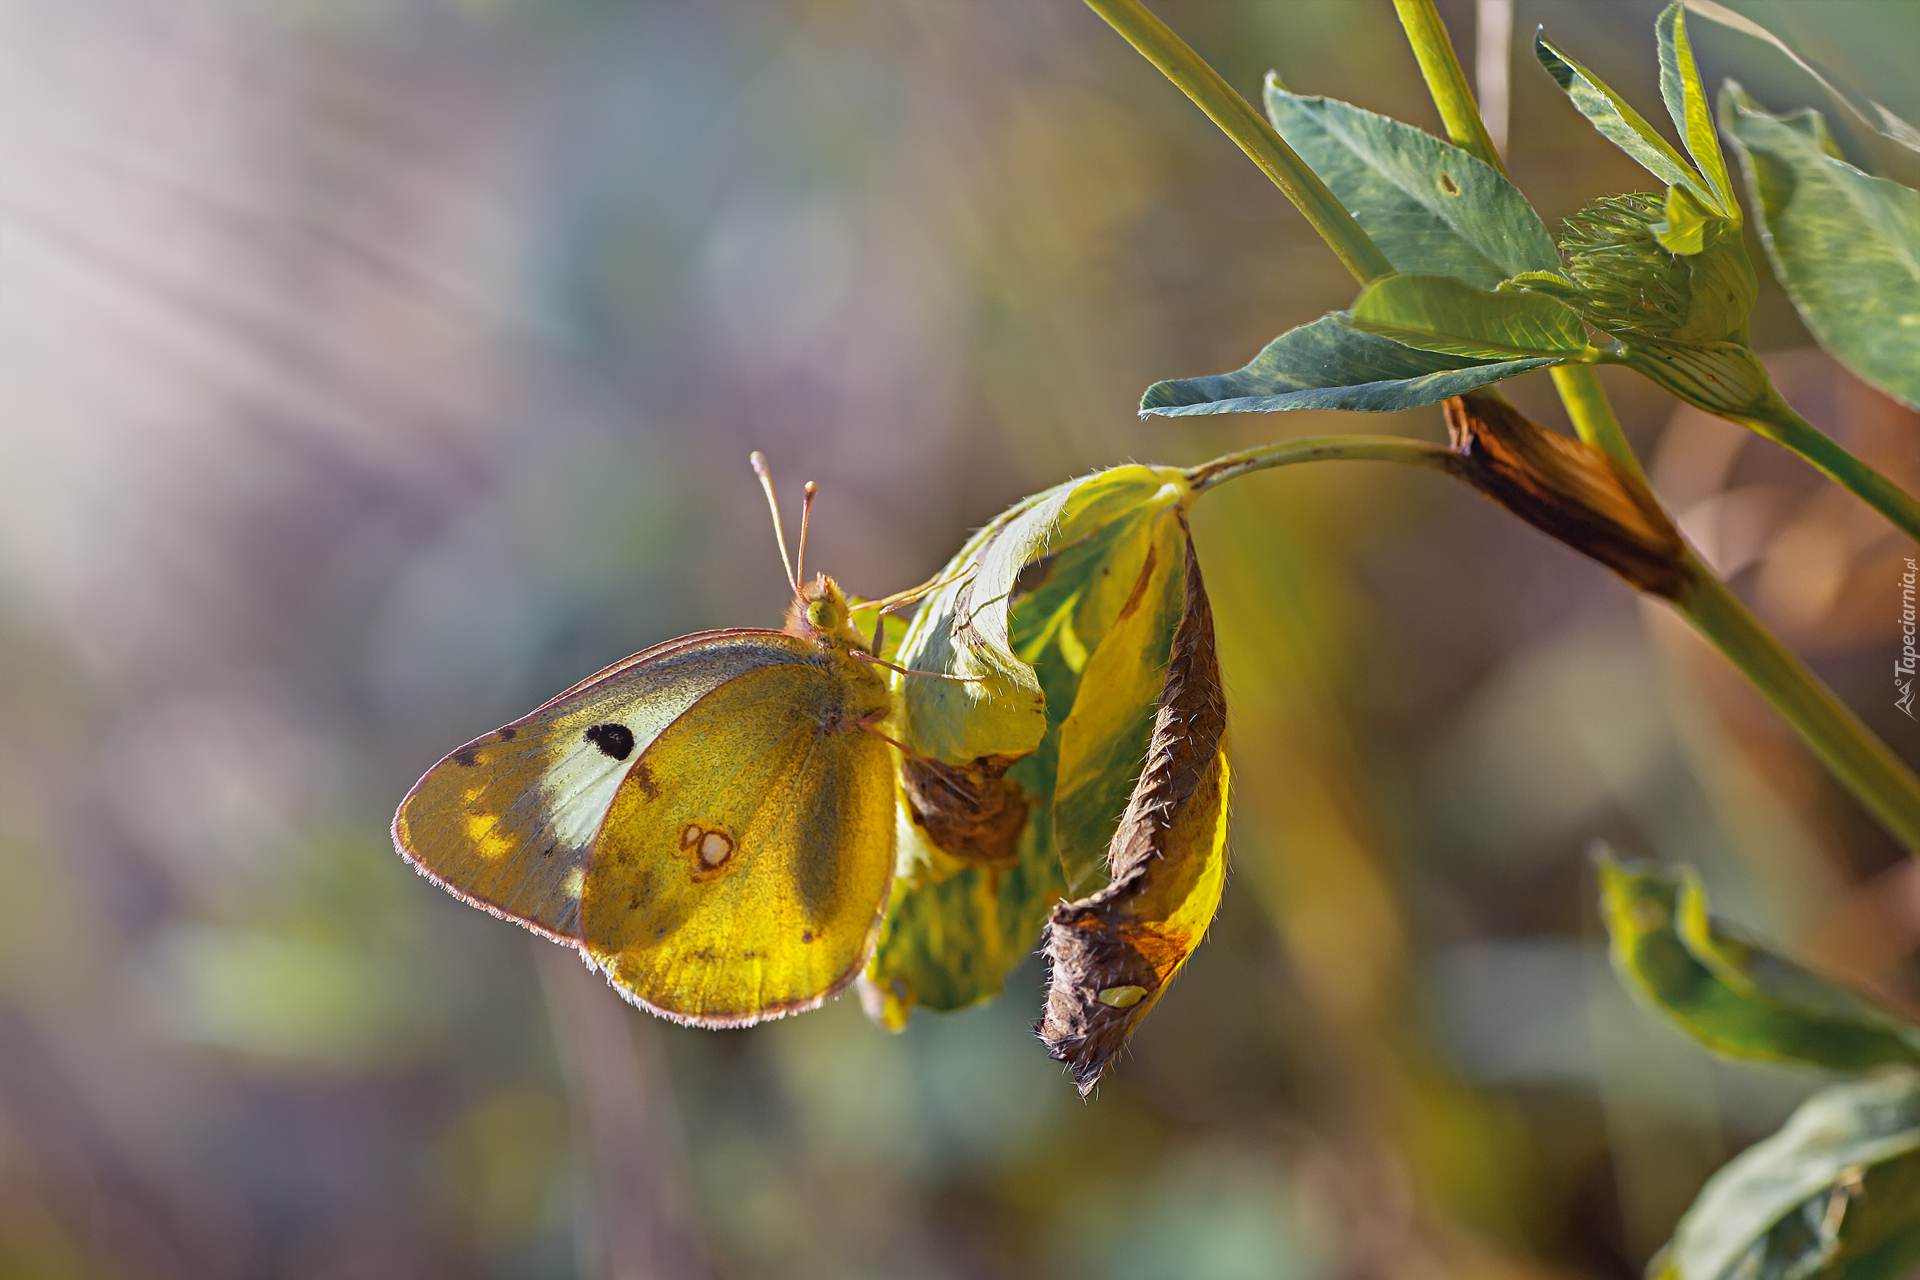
(1112, 953)
(974, 812)
(1567, 489)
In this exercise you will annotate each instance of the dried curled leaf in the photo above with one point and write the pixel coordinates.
(972, 812)
(1113, 953)
(1567, 489)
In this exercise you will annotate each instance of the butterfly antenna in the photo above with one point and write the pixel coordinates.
(759, 461)
(901, 599)
(806, 509)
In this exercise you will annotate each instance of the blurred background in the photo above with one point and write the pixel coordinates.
(372, 369)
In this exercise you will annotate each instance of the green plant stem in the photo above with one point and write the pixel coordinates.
(1593, 421)
(1862, 763)
(1778, 422)
(1579, 388)
(1418, 453)
(1446, 80)
(1250, 132)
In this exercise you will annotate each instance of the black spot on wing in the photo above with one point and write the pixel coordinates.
(615, 740)
(468, 755)
(507, 734)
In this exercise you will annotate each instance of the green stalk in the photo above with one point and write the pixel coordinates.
(1593, 420)
(1579, 388)
(1418, 453)
(1250, 132)
(1446, 81)
(1778, 422)
(1861, 761)
(1863, 764)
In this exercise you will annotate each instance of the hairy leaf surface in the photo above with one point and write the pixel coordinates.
(1688, 107)
(1621, 125)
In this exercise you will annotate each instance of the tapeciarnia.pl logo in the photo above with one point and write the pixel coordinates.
(1909, 658)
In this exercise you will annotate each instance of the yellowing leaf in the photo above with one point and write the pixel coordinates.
(1732, 995)
(998, 710)
(1113, 953)
(1104, 738)
(1687, 106)
(978, 866)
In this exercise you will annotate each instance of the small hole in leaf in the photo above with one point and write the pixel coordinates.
(1448, 185)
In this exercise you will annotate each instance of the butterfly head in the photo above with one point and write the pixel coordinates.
(820, 611)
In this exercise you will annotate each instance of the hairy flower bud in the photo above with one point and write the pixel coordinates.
(1628, 285)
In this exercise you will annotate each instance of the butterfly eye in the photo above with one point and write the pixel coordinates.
(823, 616)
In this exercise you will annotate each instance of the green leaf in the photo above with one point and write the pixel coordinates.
(1684, 231)
(1687, 106)
(1731, 994)
(1112, 954)
(1430, 206)
(1439, 313)
(1895, 144)
(1835, 1193)
(1621, 125)
(1060, 568)
(1329, 364)
(1844, 243)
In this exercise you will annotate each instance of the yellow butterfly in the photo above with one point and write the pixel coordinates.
(710, 822)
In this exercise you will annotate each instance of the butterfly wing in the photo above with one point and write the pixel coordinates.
(507, 821)
(744, 862)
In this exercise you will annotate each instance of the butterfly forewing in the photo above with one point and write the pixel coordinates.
(506, 822)
(744, 862)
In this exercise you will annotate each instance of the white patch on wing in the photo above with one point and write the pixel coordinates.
(580, 787)
(581, 781)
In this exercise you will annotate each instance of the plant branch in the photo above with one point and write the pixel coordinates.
(1593, 421)
(1418, 453)
(1850, 751)
(1446, 81)
(1250, 132)
(1777, 421)
(1861, 762)
(1579, 388)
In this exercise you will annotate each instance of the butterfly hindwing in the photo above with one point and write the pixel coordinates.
(506, 822)
(743, 864)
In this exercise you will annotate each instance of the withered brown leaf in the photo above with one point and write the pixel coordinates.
(1567, 489)
(974, 812)
(1112, 953)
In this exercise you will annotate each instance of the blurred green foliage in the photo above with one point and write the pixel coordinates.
(373, 371)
